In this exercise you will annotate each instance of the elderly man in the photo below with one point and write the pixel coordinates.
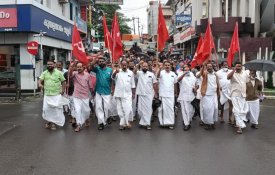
(210, 92)
(146, 88)
(124, 93)
(51, 81)
(253, 92)
(239, 78)
(187, 82)
(225, 92)
(167, 92)
(82, 88)
(103, 91)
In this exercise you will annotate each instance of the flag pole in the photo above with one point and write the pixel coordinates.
(110, 53)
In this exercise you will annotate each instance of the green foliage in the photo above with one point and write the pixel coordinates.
(109, 11)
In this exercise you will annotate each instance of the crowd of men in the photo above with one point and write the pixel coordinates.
(139, 89)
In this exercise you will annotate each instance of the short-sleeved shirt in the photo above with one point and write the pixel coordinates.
(82, 85)
(238, 84)
(187, 84)
(145, 83)
(125, 82)
(52, 82)
(103, 80)
(167, 83)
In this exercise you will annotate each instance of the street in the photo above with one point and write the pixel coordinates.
(27, 148)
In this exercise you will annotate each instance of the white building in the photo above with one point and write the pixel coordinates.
(152, 18)
(20, 22)
(222, 15)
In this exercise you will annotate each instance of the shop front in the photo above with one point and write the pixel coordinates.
(19, 70)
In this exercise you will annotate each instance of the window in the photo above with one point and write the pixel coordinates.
(71, 11)
(204, 10)
(49, 3)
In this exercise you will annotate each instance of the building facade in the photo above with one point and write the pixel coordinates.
(152, 18)
(48, 22)
(222, 15)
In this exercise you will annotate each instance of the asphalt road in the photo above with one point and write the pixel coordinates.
(27, 148)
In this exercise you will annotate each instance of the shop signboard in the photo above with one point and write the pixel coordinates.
(8, 18)
(183, 19)
(117, 2)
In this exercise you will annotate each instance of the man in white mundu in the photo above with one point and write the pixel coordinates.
(225, 92)
(209, 100)
(187, 82)
(146, 88)
(167, 90)
(51, 81)
(82, 88)
(239, 78)
(124, 93)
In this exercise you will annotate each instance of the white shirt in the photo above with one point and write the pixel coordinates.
(224, 82)
(211, 84)
(238, 84)
(166, 83)
(125, 81)
(145, 83)
(187, 84)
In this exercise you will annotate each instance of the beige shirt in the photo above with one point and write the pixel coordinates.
(238, 84)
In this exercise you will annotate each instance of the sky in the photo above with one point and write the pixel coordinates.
(137, 8)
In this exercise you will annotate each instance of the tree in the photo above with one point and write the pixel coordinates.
(109, 11)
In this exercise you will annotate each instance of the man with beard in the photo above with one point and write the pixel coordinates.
(51, 82)
(167, 92)
(124, 93)
(187, 82)
(210, 92)
(103, 91)
(146, 88)
(225, 92)
(82, 88)
(239, 78)
(253, 92)
(59, 66)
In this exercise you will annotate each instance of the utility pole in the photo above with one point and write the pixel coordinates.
(138, 27)
(134, 27)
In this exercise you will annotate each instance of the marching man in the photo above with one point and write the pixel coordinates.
(82, 88)
(253, 92)
(187, 82)
(124, 93)
(53, 83)
(167, 91)
(146, 88)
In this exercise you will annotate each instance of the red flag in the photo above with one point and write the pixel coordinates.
(107, 36)
(196, 57)
(117, 50)
(207, 45)
(234, 46)
(163, 34)
(78, 48)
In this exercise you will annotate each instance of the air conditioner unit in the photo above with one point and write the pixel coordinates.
(63, 1)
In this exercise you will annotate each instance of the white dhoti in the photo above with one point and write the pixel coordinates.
(53, 109)
(254, 111)
(166, 113)
(102, 106)
(187, 111)
(134, 108)
(124, 109)
(224, 96)
(145, 109)
(82, 110)
(113, 107)
(240, 109)
(209, 109)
